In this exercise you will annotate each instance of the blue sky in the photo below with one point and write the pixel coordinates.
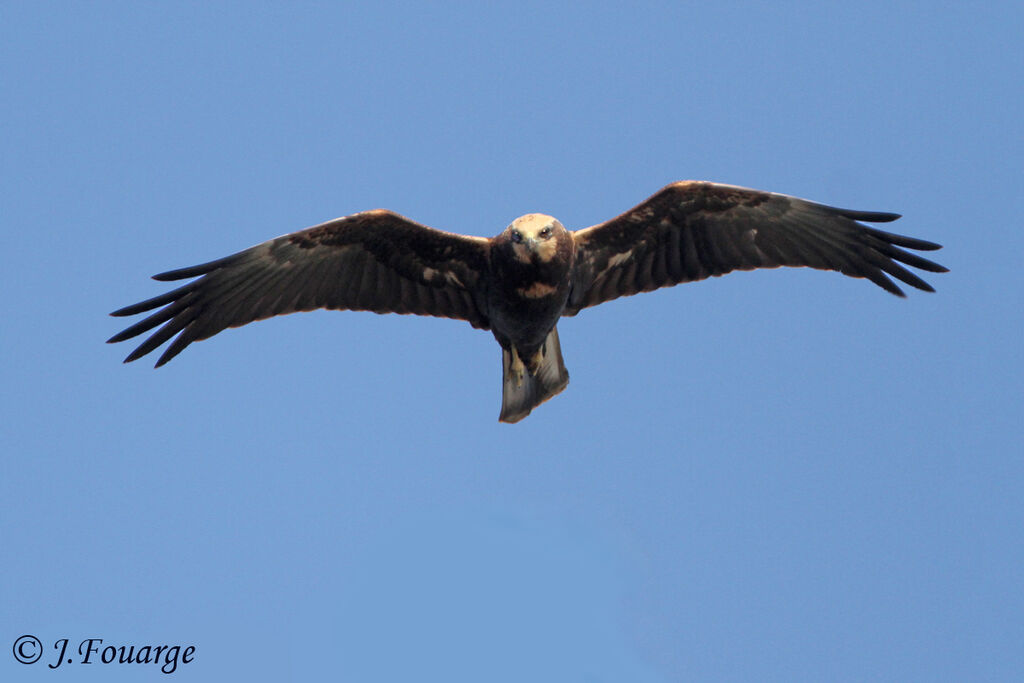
(780, 475)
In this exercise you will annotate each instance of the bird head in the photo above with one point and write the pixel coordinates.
(534, 235)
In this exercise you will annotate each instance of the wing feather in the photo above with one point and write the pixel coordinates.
(692, 230)
(376, 261)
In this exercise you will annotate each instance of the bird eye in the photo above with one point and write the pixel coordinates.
(546, 232)
(517, 236)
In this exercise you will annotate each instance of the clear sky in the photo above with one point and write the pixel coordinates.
(781, 475)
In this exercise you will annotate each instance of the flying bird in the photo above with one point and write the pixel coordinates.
(521, 282)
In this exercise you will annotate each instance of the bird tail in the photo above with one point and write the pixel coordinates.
(539, 378)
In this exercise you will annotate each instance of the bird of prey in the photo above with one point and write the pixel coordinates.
(521, 282)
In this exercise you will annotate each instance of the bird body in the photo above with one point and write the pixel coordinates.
(521, 282)
(530, 274)
(531, 269)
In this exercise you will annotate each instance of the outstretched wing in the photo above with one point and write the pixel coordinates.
(691, 230)
(372, 261)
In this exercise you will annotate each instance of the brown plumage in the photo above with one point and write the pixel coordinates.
(520, 283)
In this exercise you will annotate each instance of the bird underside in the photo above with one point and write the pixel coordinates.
(526, 383)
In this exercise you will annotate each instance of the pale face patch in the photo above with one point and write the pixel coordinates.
(546, 249)
(538, 236)
(537, 290)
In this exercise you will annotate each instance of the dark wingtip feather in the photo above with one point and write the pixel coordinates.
(925, 264)
(139, 307)
(869, 216)
(156, 301)
(194, 271)
(903, 241)
(171, 351)
(876, 275)
(186, 337)
(896, 270)
(897, 292)
(136, 354)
